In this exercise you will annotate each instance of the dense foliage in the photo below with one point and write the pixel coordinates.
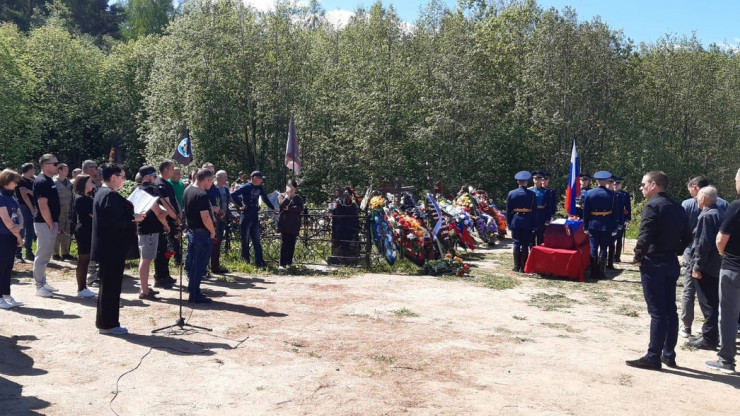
(466, 95)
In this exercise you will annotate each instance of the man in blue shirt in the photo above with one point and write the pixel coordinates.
(247, 197)
(599, 222)
(521, 204)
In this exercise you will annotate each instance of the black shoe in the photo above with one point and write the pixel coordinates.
(200, 299)
(69, 257)
(701, 343)
(517, 263)
(30, 257)
(642, 362)
(670, 363)
(56, 257)
(148, 296)
(220, 270)
(162, 284)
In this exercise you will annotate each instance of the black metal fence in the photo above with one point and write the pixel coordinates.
(324, 238)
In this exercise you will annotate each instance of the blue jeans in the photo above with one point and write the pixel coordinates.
(197, 257)
(659, 276)
(250, 230)
(599, 241)
(522, 240)
(27, 232)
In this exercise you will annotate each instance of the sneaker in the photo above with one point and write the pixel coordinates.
(281, 269)
(162, 284)
(13, 303)
(148, 296)
(50, 288)
(643, 362)
(114, 331)
(685, 332)
(56, 257)
(43, 292)
(4, 304)
(701, 343)
(670, 363)
(719, 365)
(69, 257)
(86, 293)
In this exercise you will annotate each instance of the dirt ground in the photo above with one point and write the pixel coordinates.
(367, 344)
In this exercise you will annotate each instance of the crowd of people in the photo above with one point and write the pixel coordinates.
(704, 230)
(55, 207)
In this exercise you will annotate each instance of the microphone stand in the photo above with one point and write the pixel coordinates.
(180, 323)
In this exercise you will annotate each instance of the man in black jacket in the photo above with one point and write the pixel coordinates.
(704, 264)
(664, 233)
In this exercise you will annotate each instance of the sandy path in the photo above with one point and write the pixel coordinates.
(367, 344)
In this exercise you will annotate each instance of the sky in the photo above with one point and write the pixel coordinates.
(714, 21)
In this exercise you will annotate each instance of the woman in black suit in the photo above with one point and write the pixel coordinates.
(113, 231)
(82, 216)
(289, 222)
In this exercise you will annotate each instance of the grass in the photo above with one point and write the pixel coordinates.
(561, 327)
(404, 312)
(519, 318)
(551, 302)
(497, 281)
(382, 358)
(626, 310)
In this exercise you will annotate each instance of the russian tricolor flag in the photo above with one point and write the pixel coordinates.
(574, 186)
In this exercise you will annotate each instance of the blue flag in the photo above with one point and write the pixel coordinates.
(437, 226)
(184, 149)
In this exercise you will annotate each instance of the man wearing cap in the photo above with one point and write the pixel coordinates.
(521, 204)
(585, 182)
(543, 211)
(247, 197)
(625, 202)
(599, 222)
(553, 196)
(149, 230)
(664, 233)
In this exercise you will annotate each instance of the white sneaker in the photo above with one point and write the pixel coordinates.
(114, 331)
(50, 288)
(4, 304)
(13, 303)
(86, 293)
(281, 269)
(43, 292)
(685, 332)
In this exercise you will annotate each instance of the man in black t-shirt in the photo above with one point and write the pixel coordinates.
(162, 277)
(201, 233)
(149, 230)
(24, 194)
(46, 222)
(728, 244)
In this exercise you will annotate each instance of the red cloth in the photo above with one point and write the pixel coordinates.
(560, 262)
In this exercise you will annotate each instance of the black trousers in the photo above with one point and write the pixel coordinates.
(110, 272)
(287, 249)
(8, 245)
(162, 263)
(707, 290)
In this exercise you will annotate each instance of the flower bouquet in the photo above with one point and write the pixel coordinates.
(411, 237)
(448, 265)
(382, 232)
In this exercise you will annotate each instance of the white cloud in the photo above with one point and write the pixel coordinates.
(733, 47)
(261, 5)
(338, 18)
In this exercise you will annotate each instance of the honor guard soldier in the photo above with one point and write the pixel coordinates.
(599, 222)
(585, 182)
(624, 205)
(542, 213)
(521, 204)
(553, 195)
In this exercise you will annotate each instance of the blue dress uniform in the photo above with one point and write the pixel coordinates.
(543, 211)
(520, 217)
(600, 221)
(623, 209)
(579, 198)
(553, 197)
